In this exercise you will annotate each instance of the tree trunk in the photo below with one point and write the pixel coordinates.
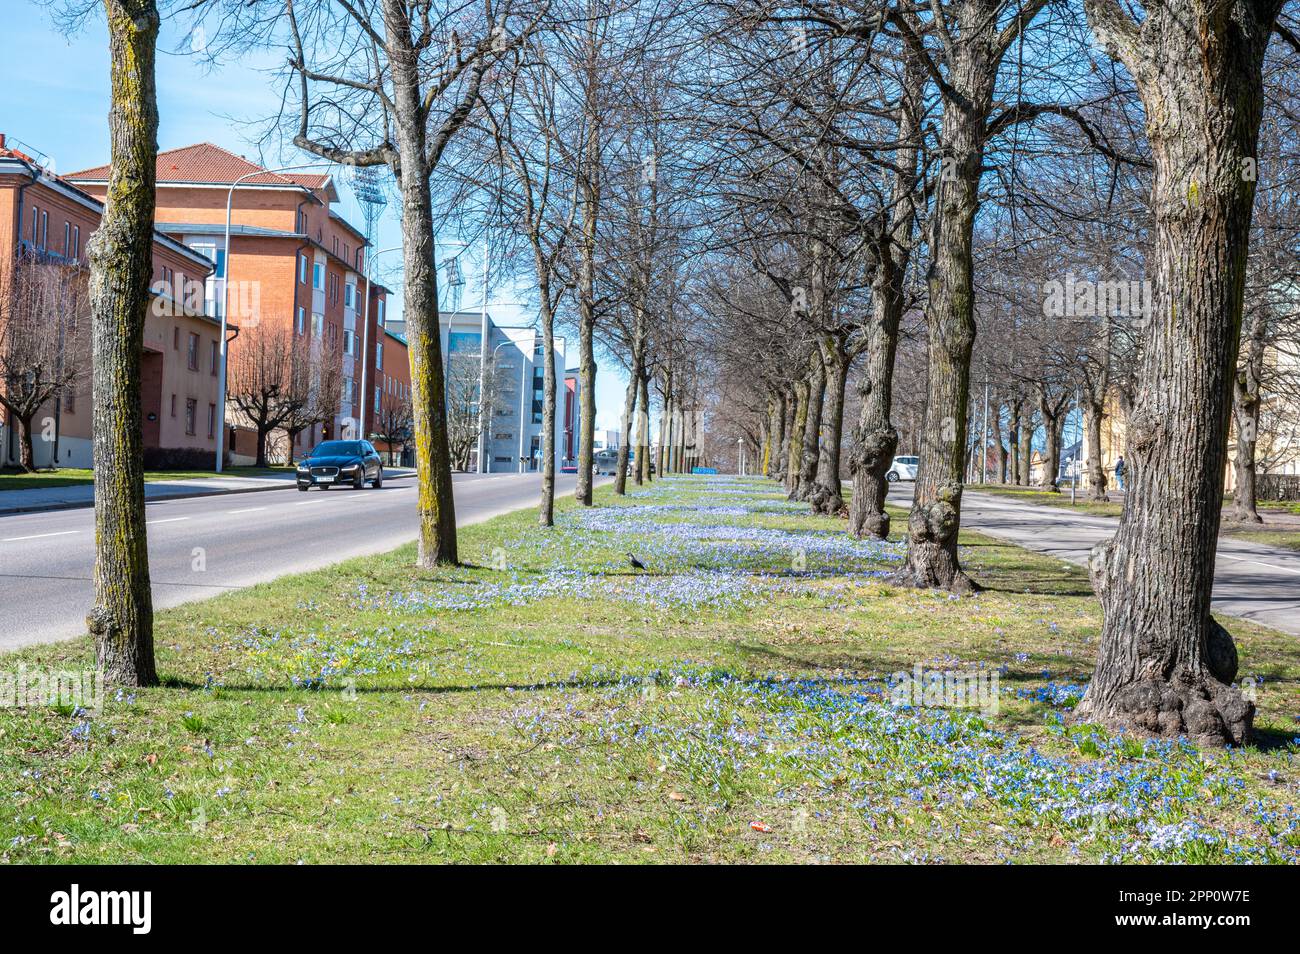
(1164, 665)
(1001, 447)
(27, 446)
(261, 446)
(435, 503)
(546, 509)
(808, 453)
(1052, 424)
(935, 520)
(876, 438)
(1026, 451)
(1094, 406)
(643, 431)
(121, 268)
(800, 423)
(629, 409)
(1013, 441)
(826, 494)
(1245, 418)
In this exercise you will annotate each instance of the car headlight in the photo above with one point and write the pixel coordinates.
(302, 468)
(353, 466)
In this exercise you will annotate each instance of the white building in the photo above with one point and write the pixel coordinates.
(515, 354)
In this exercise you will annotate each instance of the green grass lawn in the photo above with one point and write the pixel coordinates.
(547, 703)
(1052, 499)
(76, 476)
(1287, 539)
(1267, 508)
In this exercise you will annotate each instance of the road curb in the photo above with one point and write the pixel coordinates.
(84, 504)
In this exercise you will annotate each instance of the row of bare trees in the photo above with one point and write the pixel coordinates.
(744, 200)
(1076, 185)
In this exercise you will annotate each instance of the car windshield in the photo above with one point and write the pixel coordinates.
(338, 449)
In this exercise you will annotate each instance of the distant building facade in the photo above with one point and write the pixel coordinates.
(46, 221)
(297, 267)
(515, 356)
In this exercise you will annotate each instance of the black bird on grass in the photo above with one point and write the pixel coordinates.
(636, 564)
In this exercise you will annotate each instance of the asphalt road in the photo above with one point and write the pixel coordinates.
(1252, 581)
(203, 546)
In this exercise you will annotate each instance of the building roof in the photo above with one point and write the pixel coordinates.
(219, 228)
(207, 164)
(40, 173)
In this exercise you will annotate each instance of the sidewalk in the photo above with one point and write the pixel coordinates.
(83, 495)
(1251, 580)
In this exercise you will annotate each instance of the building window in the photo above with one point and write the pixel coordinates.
(173, 408)
(318, 277)
(70, 403)
(347, 341)
(381, 313)
(317, 325)
(36, 217)
(378, 397)
(176, 339)
(45, 228)
(191, 411)
(302, 268)
(76, 242)
(302, 321)
(379, 355)
(350, 295)
(216, 358)
(212, 420)
(192, 352)
(67, 240)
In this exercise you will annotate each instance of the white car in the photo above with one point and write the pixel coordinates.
(903, 468)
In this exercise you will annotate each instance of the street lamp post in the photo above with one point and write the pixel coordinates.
(225, 298)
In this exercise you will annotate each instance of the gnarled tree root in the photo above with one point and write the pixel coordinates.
(1205, 706)
(1198, 706)
(826, 501)
(932, 547)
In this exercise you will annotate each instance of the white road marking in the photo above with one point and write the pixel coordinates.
(1271, 566)
(167, 520)
(247, 510)
(38, 536)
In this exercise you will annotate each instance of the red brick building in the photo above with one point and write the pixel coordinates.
(297, 268)
(45, 222)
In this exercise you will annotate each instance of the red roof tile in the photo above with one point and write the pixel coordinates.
(207, 163)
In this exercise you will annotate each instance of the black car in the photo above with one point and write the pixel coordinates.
(341, 462)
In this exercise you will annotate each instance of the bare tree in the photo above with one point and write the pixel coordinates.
(42, 312)
(271, 384)
(392, 425)
(390, 83)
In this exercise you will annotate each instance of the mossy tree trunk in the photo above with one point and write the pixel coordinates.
(546, 510)
(121, 267)
(1164, 665)
(435, 504)
(810, 437)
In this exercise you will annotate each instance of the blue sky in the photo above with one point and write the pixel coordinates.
(58, 104)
